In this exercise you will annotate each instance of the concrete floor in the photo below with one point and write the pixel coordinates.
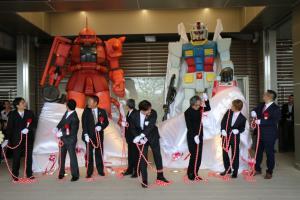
(285, 185)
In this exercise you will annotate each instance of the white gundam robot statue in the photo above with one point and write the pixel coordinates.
(197, 66)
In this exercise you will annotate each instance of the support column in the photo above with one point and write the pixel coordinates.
(296, 52)
(25, 70)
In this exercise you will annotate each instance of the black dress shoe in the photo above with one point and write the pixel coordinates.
(101, 174)
(61, 176)
(31, 177)
(134, 175)
(144, 185)
(163, 179)
(257, 173)
(224, 173)
(73, 179)
(234, 175)
(15, 178)
(88, 176)
(126, 173)
(191, 177)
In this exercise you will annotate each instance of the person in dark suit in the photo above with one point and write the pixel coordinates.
(145, 132)
(193, 119)
(267, 116)
(67, 130)
(232, 125)
(94, 121)
(132, 149)
(287, 121)
(21, 124)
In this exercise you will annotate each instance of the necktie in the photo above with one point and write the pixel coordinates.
(95, 116)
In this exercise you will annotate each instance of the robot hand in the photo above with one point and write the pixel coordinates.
(226, 75)
(117, 77)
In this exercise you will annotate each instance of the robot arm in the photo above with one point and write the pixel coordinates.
(114, 52)
(54, 67)
(226, 64)
(59, 53)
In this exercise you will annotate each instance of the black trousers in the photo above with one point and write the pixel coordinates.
(268, 146)
(17, 154)
(71, 149)
(132, 157)
(155, 146)
(98, 158)
(234, 151)
(193, 151)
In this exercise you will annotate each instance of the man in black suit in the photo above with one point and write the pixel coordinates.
(287, 119)
(132, 149)
(21, 124)
(193, 119)
(267, 116)
(94, 121)
(232, 125)
(146, 132)
(67, 130)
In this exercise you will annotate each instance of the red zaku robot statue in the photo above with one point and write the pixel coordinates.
(89, 60)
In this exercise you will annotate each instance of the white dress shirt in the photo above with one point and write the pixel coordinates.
(95, 114)
(69, 113)
(142, 120)
(267, 105)
(234, 117)
(21, 114)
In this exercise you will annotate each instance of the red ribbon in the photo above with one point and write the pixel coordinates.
(101, 119)
(67, 127)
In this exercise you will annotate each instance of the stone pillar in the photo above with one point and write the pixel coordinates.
(296, 52)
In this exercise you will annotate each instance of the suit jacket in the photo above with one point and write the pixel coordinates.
(269, 120)
(16, 124)
(239, 123)
(73, 123)
(150, 129)
(128, 134)
(88, 123)
(193, 119)
(285, 114)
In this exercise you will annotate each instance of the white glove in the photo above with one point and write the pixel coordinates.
(253, 114)
(59, 134)
(137, 139)
(223, 133)
(204, 96)
(124, 124)
(4, 143)
(257, 121)
(25, 131)
(142, 135)
(197, 140)
(98, 128)
(55, 130)
(144, 140)
(86, 138)
(235, 131)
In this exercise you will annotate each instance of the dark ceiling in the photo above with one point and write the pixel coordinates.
(73, 5)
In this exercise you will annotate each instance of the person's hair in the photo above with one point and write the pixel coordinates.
(289, 96)
(144, 105)
(6, 101)
(17, 101)
(194, 99)
(273, 94)
(238, 104)
(71, 104)
(130, 103)
(95, 98)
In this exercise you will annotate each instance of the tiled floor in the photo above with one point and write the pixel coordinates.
(285, 185)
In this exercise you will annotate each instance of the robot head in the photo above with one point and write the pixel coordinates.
(87, 36)
(199, 32)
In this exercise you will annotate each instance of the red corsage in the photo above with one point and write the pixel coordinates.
(67, 127)
(29, 121)
(266, 115)
(101, 119)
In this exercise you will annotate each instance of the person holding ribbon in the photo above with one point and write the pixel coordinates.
(20, 131)
(146, 134)
(193, 120)
(94, 121)
(132, 149)
(66, 131)
(232, 125)
(266, 116)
